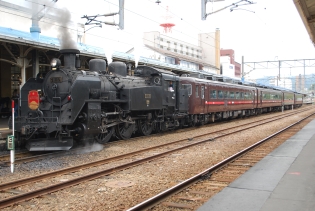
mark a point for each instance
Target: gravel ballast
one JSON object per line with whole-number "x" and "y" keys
{"x": 126, "y": 188}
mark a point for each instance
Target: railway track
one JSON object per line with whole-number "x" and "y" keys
{"x": 131, "y": 159}
{"x": 24, "y": 157}
{"x": 4, "y": 158}
{"x": 193, "y": 192}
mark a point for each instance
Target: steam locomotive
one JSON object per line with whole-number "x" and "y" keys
{"x": 70, "y": 105}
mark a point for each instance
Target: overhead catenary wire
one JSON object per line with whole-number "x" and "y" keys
{"x": 97, "y": 35}
{"x": 64, "y": 27}
{"x": 125, "y": 31}
{"x": 145, "y": 18}
{"x": 158, "y": 23}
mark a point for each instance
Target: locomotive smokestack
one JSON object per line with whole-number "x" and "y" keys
{"x": 69, "y": 56}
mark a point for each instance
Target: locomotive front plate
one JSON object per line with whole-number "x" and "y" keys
{"x": 55, "y": 79}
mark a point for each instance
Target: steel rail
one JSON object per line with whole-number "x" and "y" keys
{"x": 107, "y": 160}
{"x": 44, "y": 155}
{"x": 32, "y": 158}
{"x": 19, "y": 154}
{"x": 165, "y": 194}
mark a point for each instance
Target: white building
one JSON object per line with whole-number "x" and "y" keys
{"x": 228, "y": 70}
{"x": 196, "y": 57}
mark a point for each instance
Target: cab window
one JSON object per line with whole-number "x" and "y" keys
{"x": 170, "y": 86}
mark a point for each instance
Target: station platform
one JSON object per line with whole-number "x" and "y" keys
{"x": 283, "y": 180}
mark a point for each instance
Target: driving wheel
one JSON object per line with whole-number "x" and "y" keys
{"x": 145, "y": 128}
{"x": 103, "y": 138}
{"x": 124, "y": 130}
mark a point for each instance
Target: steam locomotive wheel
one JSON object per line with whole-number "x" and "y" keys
{"x": 103, "y": 138}
{"x": 124, "y": 130}
{"x": 145, "y": 128}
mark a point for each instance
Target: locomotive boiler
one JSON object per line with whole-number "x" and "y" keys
{"x": 96, "y": 105}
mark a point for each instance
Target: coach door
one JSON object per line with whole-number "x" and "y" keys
{"x": 254, "y": 97}
{"x": 226, "y": 101}
{"x": 202, "y": 98}
{"x": 260, "y": 98}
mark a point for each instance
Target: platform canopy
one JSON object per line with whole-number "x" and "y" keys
{"x": 306, "y": 9}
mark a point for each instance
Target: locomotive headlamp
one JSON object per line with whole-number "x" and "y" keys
{"x": 55, "y": 63}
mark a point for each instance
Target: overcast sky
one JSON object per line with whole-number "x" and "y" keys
{"x": 267, "y": 30}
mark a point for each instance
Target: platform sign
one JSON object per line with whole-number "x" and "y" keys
{"x": 10, "y": 142}
{"x": 33, "y": 99}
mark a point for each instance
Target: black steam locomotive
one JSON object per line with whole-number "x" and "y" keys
{"x": 74, "y": 105}
{"x": 70, "y": 105}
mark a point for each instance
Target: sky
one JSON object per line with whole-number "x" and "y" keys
{"x": 265, "y": 31}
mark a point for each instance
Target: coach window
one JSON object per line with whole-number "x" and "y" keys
{"x": 202, "y": 92}
{"x": 213, "y": 94}
{"x": 188, "y": 87}
{"x": 220, "y": 94}
{"x": 197, "y": 91}
{"x": 232, "y": 95}
{"x": 246, "y": 95}
{"x": 226, "y": 94}
{"x": 237, "y": 95}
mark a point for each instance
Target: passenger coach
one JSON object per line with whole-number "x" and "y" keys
{"x": 217, "y": 100}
